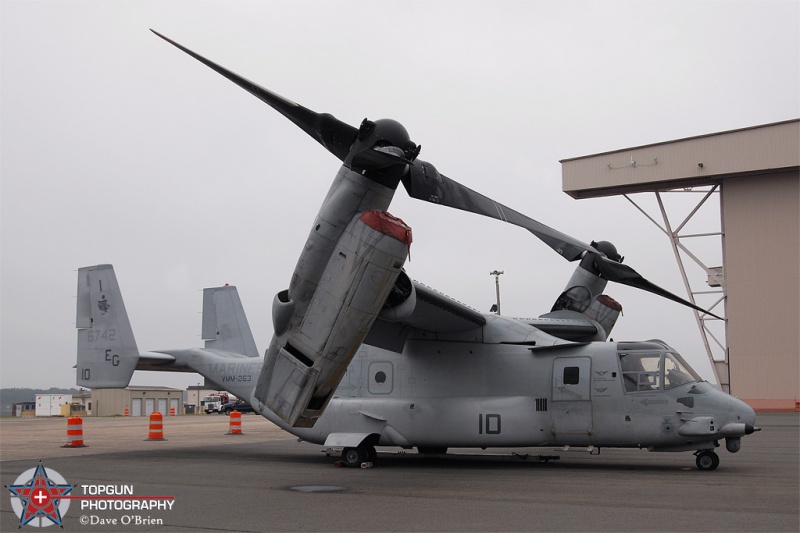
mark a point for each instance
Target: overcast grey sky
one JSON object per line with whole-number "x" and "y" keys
{"x": 118, "y": 148}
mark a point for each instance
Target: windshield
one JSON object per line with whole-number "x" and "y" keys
{"x": 646, "y": 371}
{"x": 677, "y": 371}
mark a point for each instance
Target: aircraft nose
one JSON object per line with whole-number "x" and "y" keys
{"x": 741, "y": 420}
{"x": 748, "y": 415}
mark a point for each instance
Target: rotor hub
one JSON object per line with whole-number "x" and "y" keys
{"x": 608, "y": 249}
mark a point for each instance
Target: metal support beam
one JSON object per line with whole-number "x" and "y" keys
{"x": 719, "y": 362}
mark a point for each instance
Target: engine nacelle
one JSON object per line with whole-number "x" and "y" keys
{"x": 585, "y": 295}
{"x": 402, "y": 300}
{"x": 604, "y": 310}
{"x": 282, "y": 311}
{"x": 305, "y": 363}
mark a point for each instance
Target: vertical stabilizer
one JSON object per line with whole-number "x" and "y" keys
{"x": 225, "y": 325}
{"x": 107, "y": 352}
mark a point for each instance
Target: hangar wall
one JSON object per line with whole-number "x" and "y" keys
{"x": 762, "y": 248}
{"x": 758, "y": 172}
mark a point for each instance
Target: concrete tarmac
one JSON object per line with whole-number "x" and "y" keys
{"x": 264, "y": 480}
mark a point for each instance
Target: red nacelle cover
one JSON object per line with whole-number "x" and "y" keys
{"x": 388, "y": 225}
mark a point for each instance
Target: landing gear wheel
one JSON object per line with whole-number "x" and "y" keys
{"x": 356, "y": 456}
{"x": 352, "y": 457}
{"x": 707, "y": 460}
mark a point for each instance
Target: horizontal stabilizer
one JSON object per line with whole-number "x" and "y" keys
{"x": 225, "y": 325}
{"x": 107, "y": 352}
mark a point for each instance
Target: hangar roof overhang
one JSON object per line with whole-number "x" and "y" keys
{"x": 693, "y": 161}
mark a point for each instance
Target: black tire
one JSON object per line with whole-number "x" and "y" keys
{"x": 707, "y": 460}
{"x": 353, "y": 456}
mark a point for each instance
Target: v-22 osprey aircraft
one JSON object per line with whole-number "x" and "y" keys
{"x": 364, "y": 356}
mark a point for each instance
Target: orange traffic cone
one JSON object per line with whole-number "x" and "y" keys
{"x": 74, "y": 433}
{"x": 235, "y": 424}
{"x": 156, "y": 427}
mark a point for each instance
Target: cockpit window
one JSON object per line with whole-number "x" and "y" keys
{"x": 646, "y": 371}
{"x": 641, "y": 371}
{"x": 677, "y": 371}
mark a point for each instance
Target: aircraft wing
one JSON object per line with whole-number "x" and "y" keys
{"x": 437, "y": 312}
{"x": 568, "y": 325}
{"x": 426, "y": 310}
{"x": 430, "y": 313}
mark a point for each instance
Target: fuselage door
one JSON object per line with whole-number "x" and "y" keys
{"x": 572, "y": 396}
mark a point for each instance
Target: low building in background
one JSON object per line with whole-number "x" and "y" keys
{"x": 139, "y": 401}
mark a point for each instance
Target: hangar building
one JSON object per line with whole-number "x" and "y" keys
{"x": 140, "y": 401}
{"x": 753, "y": 173}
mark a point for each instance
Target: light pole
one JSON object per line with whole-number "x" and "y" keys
{"x": 496, "y": 275}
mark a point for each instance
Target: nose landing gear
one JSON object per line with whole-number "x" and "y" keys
{"x": 707, "y": 460}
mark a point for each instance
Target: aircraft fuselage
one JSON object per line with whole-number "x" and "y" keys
{"x": 463, "y": 394}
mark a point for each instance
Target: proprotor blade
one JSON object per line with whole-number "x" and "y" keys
{"x": 388, "y": 146}
{"x": 335, "y": 135}
{"x": 614, "y": 271}
{"x": 424, "y": 182}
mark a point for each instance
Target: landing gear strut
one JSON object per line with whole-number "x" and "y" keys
{"x": 707, "y": 460}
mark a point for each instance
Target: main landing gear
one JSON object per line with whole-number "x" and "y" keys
{"x": 707, "y": 460}
{"x": 365, "y": 453}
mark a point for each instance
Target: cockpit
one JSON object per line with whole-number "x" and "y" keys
{"x": 649, "y": 367}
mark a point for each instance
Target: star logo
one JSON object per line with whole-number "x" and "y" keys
{"x": 37, "y": 494}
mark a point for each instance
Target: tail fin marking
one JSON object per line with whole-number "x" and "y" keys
{"x": 107, "y": 352}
